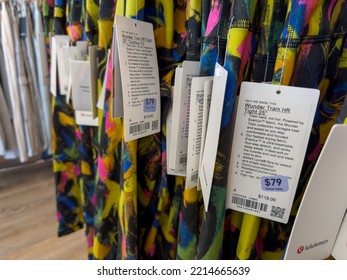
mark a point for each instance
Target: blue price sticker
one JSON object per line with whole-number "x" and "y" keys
{"x": 149, "y": 105}
{"x": 274, "y": 183}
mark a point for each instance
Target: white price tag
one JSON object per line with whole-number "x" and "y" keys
{"x": 195, "y": 130}
{"x": 118, "y": 106}
{"x": 53, "y": 80}
{"x": 62, "y": 43}
{"x": 206, "y": 112}
{"x": 180, "y": 115}
{"x": 101, "y": 100}
{"x": 140, "y": 77}
{"x": 212, "y": 134}
{"x": 269, "y": 144}
{"x": 173, "y": 126}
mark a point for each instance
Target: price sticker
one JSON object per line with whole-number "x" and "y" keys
{"x": 149, "y": 105}
{"x": 274, "y": 183}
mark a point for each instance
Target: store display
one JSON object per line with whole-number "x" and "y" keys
{"x": 131, "y": 97}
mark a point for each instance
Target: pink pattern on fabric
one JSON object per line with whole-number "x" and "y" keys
{"x": 184, "y": 35}
{"x": 331, "y": 7}
{"x": 110, "y": 125}
{"x": 151, "y": 251}
{"x": 310, "y": 6}
{"x": 245, "y": 50}
{"x": 93, "y": 200}
{"x": 90, "y": 238}
{"x": 79, "y": 135}
{"x": 102, "y": 169}
{"x": 59, "y": 216}
{"x": 109, "y": 77}
{"x": 124, "y": 247}
{"x": 315, "y": 153}
{"x": 77, "y": 170}
{"x": 213, "y": 17}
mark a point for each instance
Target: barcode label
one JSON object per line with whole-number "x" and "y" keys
{"x": 194, "y": 177}
{"x": 249, "y": 203}
{"x": 277, "y": 212}
{"x": 183, "y": 159}
{"x": 155, "y": 125}
{"x": 139, "y": 127}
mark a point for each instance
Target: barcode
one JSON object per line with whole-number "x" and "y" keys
{"x": 139, "y": 127}
{"x": 277, "y": 212}
{"x": 155, "y": 125}
{"x": 194, "y": 176}
{"x": 183, "y": 159}
{"x": 249, "y": 203}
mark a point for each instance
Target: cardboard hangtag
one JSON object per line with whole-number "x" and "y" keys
{"x": 53, "y": 80}
{"x": 85, "y": 118}
{"x": 169, "y": 168}
{"x": 62, "y": 43}
{"x": 140, "y": 77}
{"x": 93, "y": 77}
{"x": 323, "y": 205}
{"x": 172, "y": 147}
{"x": 212, "y": 133}
{"x": 180, "y": 115}
{"x": 101, "y": 100}
{"x": 196, "y": 113}
{"x": 206, "y": 112}
{"x": 73, "y": 56}
{"x": 82, "y": 50}
{"x": 270, "y": 139}
{"x": 84, "y": 89}
{"x": 340, "y": 247}
{"x": 118, "y": 107}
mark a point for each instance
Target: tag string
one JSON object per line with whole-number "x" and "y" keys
{"x": 283, "y": 61}
{"x": 266, "y": 66}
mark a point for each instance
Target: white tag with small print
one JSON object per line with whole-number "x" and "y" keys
{"x": 271, "y": 134}
{"x": 206, "y": 112}
{"x": 101, "y": 100}
{"x": 73, "y": 56}
{"x": 180, "y": 115}
{"x": 172, "y": 146}
{"x": 85, "y": 118}
{"x": 62, "y": 43}
{"x": 169, "y": 168}
{"x": 212, "y": 134}
{"x": 117, "y": 106}
{"x": 53, "y": 79}
{"x": 196, "y": 124}
{"x": 140, "y": 77}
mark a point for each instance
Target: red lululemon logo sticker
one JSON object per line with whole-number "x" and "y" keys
{"x": 300, "y": 249}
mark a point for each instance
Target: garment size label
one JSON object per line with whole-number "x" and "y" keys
{"x": 140, "y": 77}
{"x": 269, "y": 144}
{"x": 212, "y": 134}
{"x": 196, "y": 124}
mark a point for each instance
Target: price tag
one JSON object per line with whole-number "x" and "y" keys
{"x": 180, "y": 115}
{"x": 101, "y": 100}
{"x": 118, "y": 106}
{"x": 269, "y": 144}
{"x": 206, "y": 112}
{"x": 173, "y": 126}
{"x": 63, "y": 61}
{"x": 53, "y": 79}
{"x": 274, "y": 183}
{"x": 140, "y": 77}
{"x": 212, "y": 134}
{"x": 196, "y": 125}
